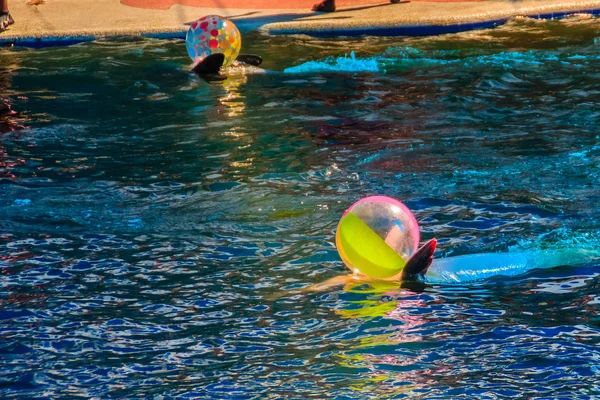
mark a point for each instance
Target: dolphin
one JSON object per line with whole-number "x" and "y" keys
{"x": 211, "y": 65}
{"x": 473, "y": 267}
{"x": 423, "y": 267}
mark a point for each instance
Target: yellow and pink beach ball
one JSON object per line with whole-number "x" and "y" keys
{"x": 376, "y": 236}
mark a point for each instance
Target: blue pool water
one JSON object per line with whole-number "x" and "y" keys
{"x": 156, "y": 229}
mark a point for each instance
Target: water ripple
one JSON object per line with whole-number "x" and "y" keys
{"x": 159, "y": 232}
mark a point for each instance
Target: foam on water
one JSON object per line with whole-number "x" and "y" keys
{"x": 337, "y": 64}
{"x": 406, "y": 58}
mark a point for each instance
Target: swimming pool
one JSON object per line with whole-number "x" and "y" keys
{"x": 155, "y": 227}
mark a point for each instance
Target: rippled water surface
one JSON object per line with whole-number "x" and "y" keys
{"x": 156, "y": 229}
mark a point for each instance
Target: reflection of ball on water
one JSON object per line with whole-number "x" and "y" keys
{"x": 213, "y": 34}
{"x": 376, "y": 236}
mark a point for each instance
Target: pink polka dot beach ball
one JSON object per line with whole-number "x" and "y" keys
{"x": 213, "y": 34}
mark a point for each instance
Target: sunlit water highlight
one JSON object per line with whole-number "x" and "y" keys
{"x": 156, "y": 229}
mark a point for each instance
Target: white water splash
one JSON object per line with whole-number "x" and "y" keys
{"x": 337, "y": 64}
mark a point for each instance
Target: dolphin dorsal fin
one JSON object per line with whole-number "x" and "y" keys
{"x": 416, "y": 267}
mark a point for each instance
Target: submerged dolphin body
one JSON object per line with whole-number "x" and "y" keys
{"x": 422, "y": 267}
{"x": 474, "y": 267}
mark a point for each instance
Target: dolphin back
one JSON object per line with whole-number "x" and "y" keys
{"x": 469, "y": 268}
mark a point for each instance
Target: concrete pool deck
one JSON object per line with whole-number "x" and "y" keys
{"x": 67, "y": 21}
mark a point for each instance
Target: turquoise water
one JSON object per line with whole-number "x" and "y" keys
{"x": 156, "y": 229}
